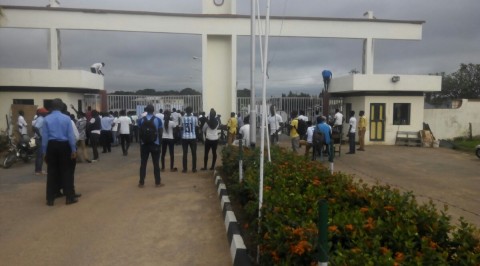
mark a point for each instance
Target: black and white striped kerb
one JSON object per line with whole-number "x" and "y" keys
{"x": 238, "y": 249}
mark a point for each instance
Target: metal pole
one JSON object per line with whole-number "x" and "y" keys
{"x": 253, "y": 112}
{"x": 322, "y": 232}
{"x": 240, "y": 160}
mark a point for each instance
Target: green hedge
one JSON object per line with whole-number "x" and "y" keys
{"x": 368, "y": 225}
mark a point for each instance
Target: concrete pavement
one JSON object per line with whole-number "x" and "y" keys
{"x": 114, "y": 222}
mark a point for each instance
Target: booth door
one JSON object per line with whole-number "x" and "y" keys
{"x": 377, "y": 122}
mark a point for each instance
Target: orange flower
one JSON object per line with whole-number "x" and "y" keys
{"x": 389, "y": 208}
{"x": 298, "y": 231}
{"x": 356, "y": 250}
{"x": 433, "y": 245}
{"x": 364, "y": 209}
{"x": 316, "y": 182}
{"x": 384, "y": 250}
{"x": 399, "y": 256}
{"x": 333, "y": 229}
{"x": 268, "y": 188}
{"x": 349, "y": 227}
{"x": 370, "y": 224}
{"x": 275, "y": 256}
{"x": 301, "y": 247}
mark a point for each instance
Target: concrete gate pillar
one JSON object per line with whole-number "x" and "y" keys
{"x": 219, "y": 64}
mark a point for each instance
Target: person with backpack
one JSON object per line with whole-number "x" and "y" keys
{"x": 150, "y": 129}
{"x": 322, "y": 136}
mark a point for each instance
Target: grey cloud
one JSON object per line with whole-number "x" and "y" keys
{"x": 164, "y": 61}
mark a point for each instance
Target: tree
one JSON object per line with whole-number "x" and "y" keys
{"x": 243, "y": 93}
{"x": 462, "y": 84}
{"x": 465, "y": 83}
{"x": 189, "y": 91}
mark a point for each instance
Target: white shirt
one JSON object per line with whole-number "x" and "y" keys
{"x": 75, "y": 131}
{"x": 115, "y": 124}
{"x": 22, "y": 125}
{"x": 134, "y": 119}
{"x": 168, "y": 133}
{"x": 161, "y": 116}
{"x": 176, "y": 117}
{"x": 124, "y": 122}
{"x": 245, "y": 131}
{"x": 304, "y": 118}
{"x": 310, "y": 134}
{"x": 95, "y": 131}
{"x": 338, "y": 119}
{"x": 210, "y": 134}
{"x": 353, "y": 123}
{"x": 274, "y": 123}
{"x": 97, "y": 66}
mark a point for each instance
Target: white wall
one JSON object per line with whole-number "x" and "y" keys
{"x": 363, "y": 103}
{"x": 50, "y": 78}
{"x": 376, "y": 82}
{"x": 451, "y": 123}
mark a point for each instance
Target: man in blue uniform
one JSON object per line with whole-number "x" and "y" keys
{"x": 58, "y": 146}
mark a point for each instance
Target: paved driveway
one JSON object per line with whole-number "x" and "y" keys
{"x": 445, "y": 176}
{"x": 115, "y": 222}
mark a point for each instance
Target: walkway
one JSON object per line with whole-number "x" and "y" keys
{"x": 115, "y": 222}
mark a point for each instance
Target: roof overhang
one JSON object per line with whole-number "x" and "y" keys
{"x": 46, "y": 78}
{"x": 391, "y": 83}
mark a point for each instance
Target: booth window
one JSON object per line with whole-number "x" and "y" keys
{"x": 401, "y": 113}
{"x": 23, "y": 101}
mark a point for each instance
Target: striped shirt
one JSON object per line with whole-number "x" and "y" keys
{"x": 189, "y": 122}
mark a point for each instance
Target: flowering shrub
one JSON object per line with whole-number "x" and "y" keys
{"x": 367, "y": 225}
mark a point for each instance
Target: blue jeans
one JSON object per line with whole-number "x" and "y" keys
{"x": 145, "y": 151}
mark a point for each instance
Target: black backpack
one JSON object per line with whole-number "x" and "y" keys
{"x": 302, "y": 127}
{"x": 148, "y": 130}
{"x": 318, "y": 139}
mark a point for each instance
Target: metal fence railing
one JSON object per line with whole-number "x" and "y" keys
{"x": 138, "y": 102}
{"x": 312, "y": 106}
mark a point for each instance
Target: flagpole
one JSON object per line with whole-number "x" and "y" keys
{"x": 264, "y": 104}
{"x": 253, "y": 111}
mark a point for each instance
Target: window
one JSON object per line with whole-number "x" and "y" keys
{"x": 348, "y": 109}
{"x": 401, "y": 113}
{"x": 23, "y": 101}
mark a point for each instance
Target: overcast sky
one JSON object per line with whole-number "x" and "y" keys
{"x": 451, "y": 36}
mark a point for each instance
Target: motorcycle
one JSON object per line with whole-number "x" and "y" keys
{"x": 22, "y": 151}
{"x": 477, "y": 151}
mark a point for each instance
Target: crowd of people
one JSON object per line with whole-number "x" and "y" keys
{"x": 321, "y": 133}
{"x": 64, "y": 138}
